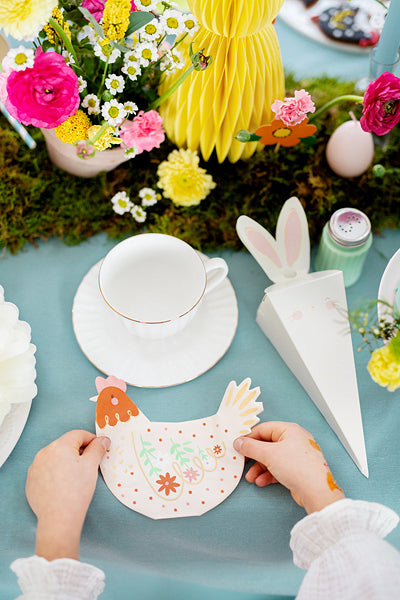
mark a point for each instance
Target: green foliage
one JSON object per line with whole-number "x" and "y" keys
{"x": 37, "y": 200}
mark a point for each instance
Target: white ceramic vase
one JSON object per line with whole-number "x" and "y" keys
{"x": 65, "y": 157}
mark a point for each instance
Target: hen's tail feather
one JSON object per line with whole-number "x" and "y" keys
{"x": 239, "y": 408}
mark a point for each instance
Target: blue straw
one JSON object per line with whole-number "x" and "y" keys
{"x": 29, "y": 141}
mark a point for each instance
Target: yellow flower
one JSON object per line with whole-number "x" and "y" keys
{"x": 384, "y": 368}
{"x": 75, "y": 128}
{"x": 25, "y": 18}
{"x": 51, "y": 33}
{"x": 116, "y": 18}
{"x": 182, "y": 180}
{"x": 106, "y": 140}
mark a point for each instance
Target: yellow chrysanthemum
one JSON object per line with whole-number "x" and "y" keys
{"x": 51, "y": 33}
{"x": 116, "y": 18}
{"x": 75, "y": 128}
{"x": 23, "y": 19}
{"x": 106, "y": 140}
{"x": 182, "y": 180}
{"x": 384, "y": 368}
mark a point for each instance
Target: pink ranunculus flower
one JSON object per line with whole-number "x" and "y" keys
{"x": 293, "y": 111}
{"x": 95, "y": 7}
{"x": 145, "y": 132}
{"x": 133, "y": 6}
{"x": 381, "y": 105}
{"x": 45, "y": 95}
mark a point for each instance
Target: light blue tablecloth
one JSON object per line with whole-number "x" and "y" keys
{"x": 240, "y": 546}
{"x": 240, "y": 549}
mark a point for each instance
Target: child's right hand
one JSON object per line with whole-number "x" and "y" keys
{"x": 288, "y": 454}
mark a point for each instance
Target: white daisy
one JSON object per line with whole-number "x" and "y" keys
{"x": 131, "y": 70}
{"x": 121, "y": 203}
{"x": 130, "y": 57}
{"x": 115, "y": 84}
{"x": 69, "y": 59}
{"x": 190, "y": 23}
{"x": 106, "y": 52}
{"x": 177, "y": 59}
{"x": 146, "y": 53}
{"x": 92, "y": 103}
{"x": 146, "y": 5}
{"x": 151, "y": 31}
{"x": 82, "y": 84}
{"x": 20, "y": 58}
{"x": 138, "y": 213}
{"x": 172, "y": 22}
{"x": 113, "y": 112}
{"x": 130, "y": 107}
{"x": 148, "y": 196}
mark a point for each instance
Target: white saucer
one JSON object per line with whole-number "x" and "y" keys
{"x": 387, "y": 288}
{"x": 106, "y": 342}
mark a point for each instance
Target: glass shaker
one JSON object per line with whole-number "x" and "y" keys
{"x": 345, "y": 242}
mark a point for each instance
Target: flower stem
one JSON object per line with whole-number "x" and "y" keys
{"x": 99, "y": 133}
{"x": 172, "y": 89}
{"x": 328, "y": 105}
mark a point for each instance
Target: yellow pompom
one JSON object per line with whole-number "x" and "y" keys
{"x": 75, "y": 128}
{"x": 384, "y": 368}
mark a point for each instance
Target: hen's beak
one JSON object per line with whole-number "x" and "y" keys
{"x": 93, "y": 398}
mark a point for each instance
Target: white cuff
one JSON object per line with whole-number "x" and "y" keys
{"x": 63, "y": 578}
{"x": 321, "y": 530}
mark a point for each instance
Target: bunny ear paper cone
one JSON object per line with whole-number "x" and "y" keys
{"x": 305, "y": 317}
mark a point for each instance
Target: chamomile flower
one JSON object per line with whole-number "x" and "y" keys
{"x": 151, "y": 31}
{"x": 130, "y": 57}
{"x": 146, "y": 53}
{"x": 190, "y": 23}
{"x": 149, "y": 196}
{"x": 172, "y": 22}
{"x": 130, "y": 107}
{"x": 113, "y": 112}
{"x": 146, "y": 5}
{"x": 121, "y": 203}
{"x": 176, "y": 59}
{"x": 106, "y": 52}
{"x": 115, "y": 84}
{"x": 20, "y": 58}
{"x": 69, "y": 59}
{"x": 82, "y": 84}
{"x": 138, "y": 213}
{"x": 92, "y": 104}
{"x": 132, "y": 70}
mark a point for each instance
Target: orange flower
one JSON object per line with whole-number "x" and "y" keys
{"x": 285, "y": 135}
{"x": 167, "y": 484}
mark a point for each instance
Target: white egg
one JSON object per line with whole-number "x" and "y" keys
{"x": 350, "y": 150}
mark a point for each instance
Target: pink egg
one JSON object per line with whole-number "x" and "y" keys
{"x": 350, "y": 150}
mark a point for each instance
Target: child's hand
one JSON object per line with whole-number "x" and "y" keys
{"x": 59, "y": 488}
{"x": 287, "y": 454}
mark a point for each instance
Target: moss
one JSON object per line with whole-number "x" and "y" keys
{"x": 38, "y": 201}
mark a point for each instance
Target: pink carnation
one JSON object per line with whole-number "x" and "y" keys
{"x": 293, "y": 111}
{"x": 95, "y": 7}
{"x": 45, "y": 95}
{"x": 145, "y": 132}
{"x": 381, "y": 105}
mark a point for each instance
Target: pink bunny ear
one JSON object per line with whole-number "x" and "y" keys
{"x": 293, "y": 235}
{"x": 263, "y": 245}
{"x": 112, "y": 381}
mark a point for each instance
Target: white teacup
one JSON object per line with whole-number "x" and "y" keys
{"x": 156, "y": 283}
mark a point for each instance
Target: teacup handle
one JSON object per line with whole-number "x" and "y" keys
{"x": 216, "y": 271}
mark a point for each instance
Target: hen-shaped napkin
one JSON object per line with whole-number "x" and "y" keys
{"x": 166, "y": 470}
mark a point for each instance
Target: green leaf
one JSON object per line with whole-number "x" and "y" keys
{"x": 138, "y": 19}
{"x": 93, "y": 21}
{"x": 309, "y": 141}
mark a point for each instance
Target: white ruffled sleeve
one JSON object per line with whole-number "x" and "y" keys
{"x": 63, "y": 578}
{"x": 343, "y": 549}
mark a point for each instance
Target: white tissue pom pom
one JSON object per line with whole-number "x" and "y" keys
{"x": 17, "y": 360}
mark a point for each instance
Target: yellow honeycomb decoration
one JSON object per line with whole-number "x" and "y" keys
{"x": 236, "y": 91}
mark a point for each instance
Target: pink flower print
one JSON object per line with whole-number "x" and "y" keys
{"x": 381, "y": 105}
{"x": 44, "y": 95}
{"x": 145, "y": 132}
{"x": 95, "y": 7}
{"x": 191, "y": 474}
{"x": 293, "y": 111}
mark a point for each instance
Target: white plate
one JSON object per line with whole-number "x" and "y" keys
{"x": 106, "y": 342}
{"x": 387, "y": 287}
{"x": 295, "y": 14}
{"x": 12, "y": 427}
